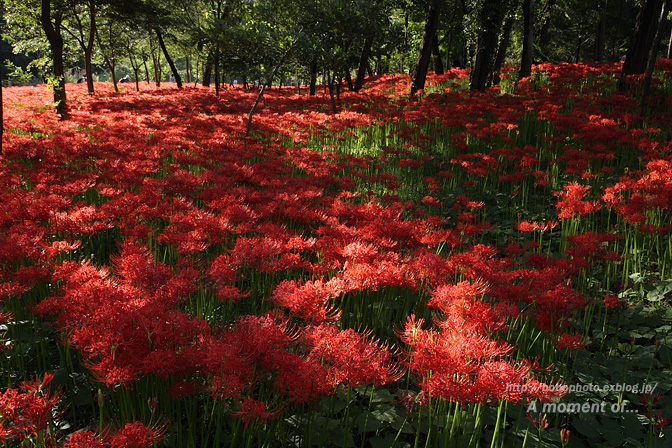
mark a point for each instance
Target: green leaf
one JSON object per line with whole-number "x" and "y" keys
{"x": 611, "y": 431}
{"x": 385, "y": 413}
{"x": 586, "y": 425}
{"x": 366, "y": 422}
{"x": 659, "y": 291}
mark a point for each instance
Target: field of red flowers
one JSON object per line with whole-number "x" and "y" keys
{"x": 452, "y": 269}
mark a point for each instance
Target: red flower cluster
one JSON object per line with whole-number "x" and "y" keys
{"x": 224, "y": 263}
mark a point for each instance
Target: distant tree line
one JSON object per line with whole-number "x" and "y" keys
{"x": 217, "y": 41}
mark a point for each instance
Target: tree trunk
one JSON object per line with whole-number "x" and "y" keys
{"x": 651, "y": 63}
{"x": 503, "y": 47}
{"x": 176, "y": 74}
{"x": 88, "y": 50}
{"x": 425, "y": 54}
{"x": 490, "y": 23}
{"x": 186, "y": 65}
{"x": 217, "y": 70}
{"x": 642, "y": 40}
{"x": 198, "y": 67}
{"x": 111, "y": 64}
{"x": 545, "y": 22}
{"x": 579, "y": 44}
{"x": 348, "y": 79}
{"x": 438, "y": 63}
{"x": 363, "y": 63}
{"x": 600, "y": 35}
{"x": 135, "y": 67}
{"x": 330, "y": 86}
{"x": 451, "y": 33}
{"x": 313, "y": 77}
{"x": 263, "y": 86}
{"x": 528, "y": 39}
{"x": 156, "y": 61}
{"x": 406, "y": 46}
{"x": 338, "y": 86}
{"x": 449, "y": 52}
{"x": 144, "y": 62}
{"x": 669, "y": 48}
{"x": 53, "y": 33}
{"x": 207, "y": 73}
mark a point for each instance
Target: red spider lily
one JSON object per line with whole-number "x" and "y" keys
{"x": 28, "y": 409}
{"x": 658, "y": 420}
{"x": 650, "y": 399}
{"x": 611, "y": 301}
{"x": 352, "y": 358}
{"x": 591, "y": 245}
{"x": 309, "y": 300}
{"x": 227, "y": 206}
{"x": 136, "y": 435}
{"x": 253, "y": 410}
{"x": 84, "y": 439}
{"x": 571, "y": 204}
{"x": 535, "y": 226}
{"x": 541, "y": 422}
{"x": 463, "y": 310}
{"x": 564, "y": 436}
{"x": 571, "y": 342}
{"x": 466, "y": 367}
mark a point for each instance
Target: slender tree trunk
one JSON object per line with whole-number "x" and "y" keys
{"x": 545, "y": 22}
{"x": 451, "y": 33}
{"x": 528, "y": 39}
{"x": 438, "y": 63}
{"x": 348, "y": 79}
{"x": 53, "y": 33}
{"x": 111, "y": 64}
{"x": 503, "y": 47}
{"x": 217, "y": 70}
{"x": 136, "y": 69}
{"x": 207, "y": 72}
{"x": 162, "y": 44}
{"x": 490, "y": 23}
{"x": 425, "y": 54}
{"x": 669, "y": 48}
{"x": 198, "y": 67}
{"x": 330, "y": 86}
{"x": 156, "y": 61}
{"x": 144, "y": 61}
{"x": 339, "y": 80}
{"x": 363, "y": 63}
{"x": 651, "y": 63}
{"x": 263, "y": 87}
{"x": 449, "y": 52}
{"x": 579, "y": 44}
{"x": 186, "y": 65}
{"x": 88, "y": 50}
{"x": 600, "y": 35}
{"x": 642, "y": 40}
{"x": 313, "y": 77}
